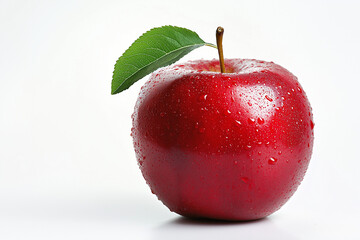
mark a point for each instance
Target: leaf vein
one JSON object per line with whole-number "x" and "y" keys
{"x": 136, "y": 54}
{"x": 177, "y": 50}
{"x": 163, "y": 35}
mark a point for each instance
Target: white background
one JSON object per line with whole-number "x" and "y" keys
{"x": 67, "y": 166}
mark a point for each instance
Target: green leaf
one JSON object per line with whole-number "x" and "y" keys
{"x": 156, "y": 48}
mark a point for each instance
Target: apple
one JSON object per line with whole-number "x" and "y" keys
{"x": 230, "y": 146}
{"x": 221, "y": 139}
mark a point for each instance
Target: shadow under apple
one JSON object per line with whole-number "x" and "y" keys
{"x": 186, "y": 228}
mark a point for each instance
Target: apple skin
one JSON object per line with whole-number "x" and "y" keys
{"x": 229, "y": 146}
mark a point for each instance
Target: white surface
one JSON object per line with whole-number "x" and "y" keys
{"x": 67, "y": 167}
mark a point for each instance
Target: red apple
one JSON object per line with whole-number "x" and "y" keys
{"x": 231, "y": 146}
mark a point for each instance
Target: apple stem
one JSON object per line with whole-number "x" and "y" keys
{"x": 219, "y": 37}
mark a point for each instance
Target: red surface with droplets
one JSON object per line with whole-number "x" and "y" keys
{"x": 232, "y": 146}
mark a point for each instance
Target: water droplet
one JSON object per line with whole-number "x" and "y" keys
{"x": 238, "y": 122}
{"x": 248, "y": 146}
{"x": 312, "y": 124}
{"x": 279, "y": 152}
{"x": 260, "y": 120}
{"x": 259, "y": 143}
{"x": 268, "y": 98}
{"x": 235, "y": 162}
{"x": 202, "y": 97}
{"x": 272, "y": 161}
{"x": 251, "y": 120}
{"x": 228, "y": 111}
{"x": 245, "y": 179}
{"x": 259, "y": 153}
{"x": 249, "y": 103}
{"x": 299, "y": 89}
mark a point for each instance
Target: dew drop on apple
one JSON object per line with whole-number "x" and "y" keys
{"x": 238, "y": 122}
{"x": 272, "y": 161}
{"x": 245, "y": 179}
{"x": 202, "y": 97}
{"x": 312, "y": 124}
{"x": 268, "y": 98}
{"x": 251, "y": 120}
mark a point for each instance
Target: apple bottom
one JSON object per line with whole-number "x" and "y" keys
{"x": 225, "y": 187}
